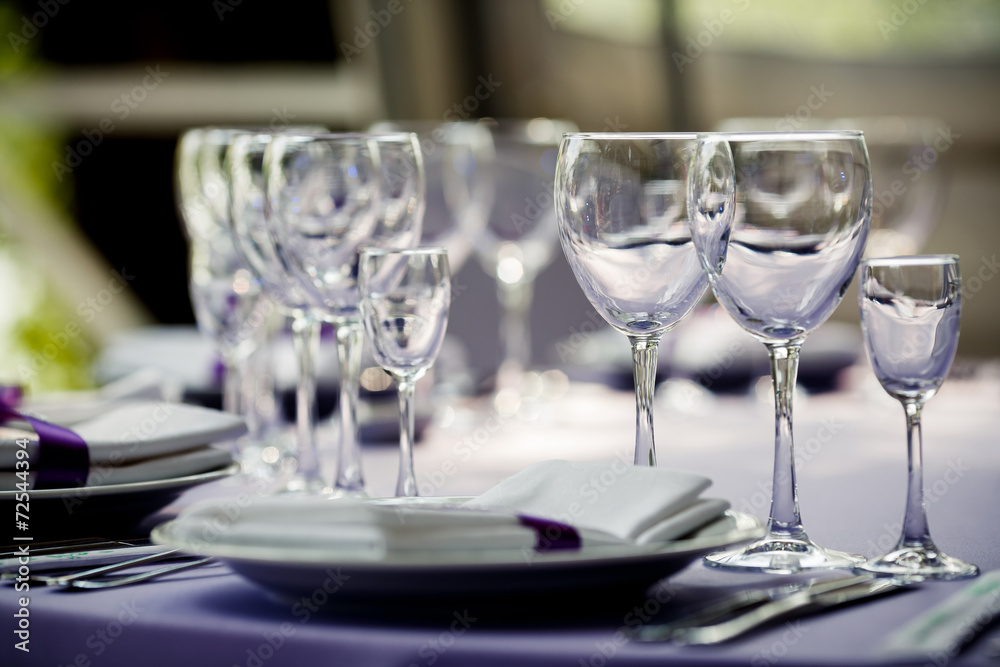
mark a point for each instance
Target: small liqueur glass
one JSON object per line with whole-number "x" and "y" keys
{"x": 405, "y": 295}
{"x": 910, "y": 308}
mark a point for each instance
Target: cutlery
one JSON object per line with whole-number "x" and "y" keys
{"x": 725, "y": 606}
{"x": 77, "y": 544}
{"x": 103, "y": 554}
{"x": 65, "y": 579}
{"x": 819, "y": 595}
{"x": 92, "y": 584}
{"x": 949, "y": 626}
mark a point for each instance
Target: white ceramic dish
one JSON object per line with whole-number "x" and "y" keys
{"x": 104, "y": 508}
{"x": 291, "y": 574}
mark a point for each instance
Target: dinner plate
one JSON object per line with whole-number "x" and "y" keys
{"x": 111, "y": 507}
{"x": 292, "y": 574}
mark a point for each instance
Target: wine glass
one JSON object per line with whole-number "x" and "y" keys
{"x": 623, "y": 223}
{"x": 250, "y": 222}
{"x": 911, "y": 185}
{"x": 329, "y": 195}
{"x": 910, "y": 308}
{"x": 458, "y": 168}
{"x": 780, "y": 223}
{"x": 225, "y": 296}
{"x": 520, "y": 234}
{"x": 405, "y": 296}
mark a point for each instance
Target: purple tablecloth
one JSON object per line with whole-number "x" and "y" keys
{"x": 852, "y": 473}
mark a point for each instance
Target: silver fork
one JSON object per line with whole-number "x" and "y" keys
{"x": 91, "y": 584}
{"x": 66, "y": 579}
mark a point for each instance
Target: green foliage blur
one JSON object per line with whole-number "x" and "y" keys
{"x": 35, "y": 349}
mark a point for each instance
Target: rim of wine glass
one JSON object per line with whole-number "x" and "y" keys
{"x": 630, "y": 136}
{"x": 352, "y": 136}
{"x": 424, "y": 250}
{"x": 911, "y": 260}
{"x": 888, "y": 130}
{"x": 807, "y": 135}
{"x": 519, "y": 129}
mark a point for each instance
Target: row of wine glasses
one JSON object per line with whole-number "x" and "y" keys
{"x": 224, "y": 295}
{"x": 283, "y": 222}
{"x": 290, "y": 210}
{"x": 776, "y": 224}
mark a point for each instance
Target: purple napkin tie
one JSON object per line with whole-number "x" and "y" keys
{"x": 63, "y": 459}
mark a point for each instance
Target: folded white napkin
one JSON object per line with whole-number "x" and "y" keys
{"x": 191, "y": 462}
{"x": 140, "y": 441}
{"x": 72, "y": 407}
{"x": 631, "y": 503}
{"x": 605, "y": 504}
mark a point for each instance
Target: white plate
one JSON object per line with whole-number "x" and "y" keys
{"x": 294, "y": 573}
{"x": 104, "y": 508}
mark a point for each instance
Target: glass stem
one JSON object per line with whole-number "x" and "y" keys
{"x": 231, "y": 384}
{"x": 644, "y": 373}
{"x": 231, "y": 396}
{"x": 515, "y": 335}
{"x": 251, "y": 368}
{"x": 350, "y": 335}
{"x": 406, "y": 484}
{"x": 785, "y": 522}
{"x": 915, "y": 531}
{"x": 305, "y": 341}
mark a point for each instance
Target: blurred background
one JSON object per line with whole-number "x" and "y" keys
{"x": 93, "y": 97}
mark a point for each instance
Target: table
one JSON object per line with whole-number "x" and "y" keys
{"x": 851, "y": 474}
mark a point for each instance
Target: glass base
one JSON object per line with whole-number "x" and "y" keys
{"x": 920, "y": 562}
{"x": 346, "y": 493}
{"x": 780, "y": 555}
{"x": 303, "y": 486}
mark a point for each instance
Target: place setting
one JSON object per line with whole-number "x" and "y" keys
{"x": 326, "y": 227}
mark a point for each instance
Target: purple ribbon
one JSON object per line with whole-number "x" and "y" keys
{"x": 63, "y": 458}
{"x": 550, "y": 534}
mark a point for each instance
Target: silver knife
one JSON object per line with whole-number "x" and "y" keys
{"x": 820, "y": 595}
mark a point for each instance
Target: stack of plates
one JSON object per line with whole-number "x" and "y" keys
{"x": 143, "y": 454}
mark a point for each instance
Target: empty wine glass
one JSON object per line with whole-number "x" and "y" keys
{"x": 520, "y": 234}
{"x": 225, "y": 296}
{"x": 911, "y": 183}
{"x": 780, "y": 223}
{"x": 458, "y": 167}
{"x": 910, "y": 308}
{"x": 250, "y": 226}
{"x": 623, "y": 222}
{"x": 329, "y": 195}
{"x": 405, "y": 296}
